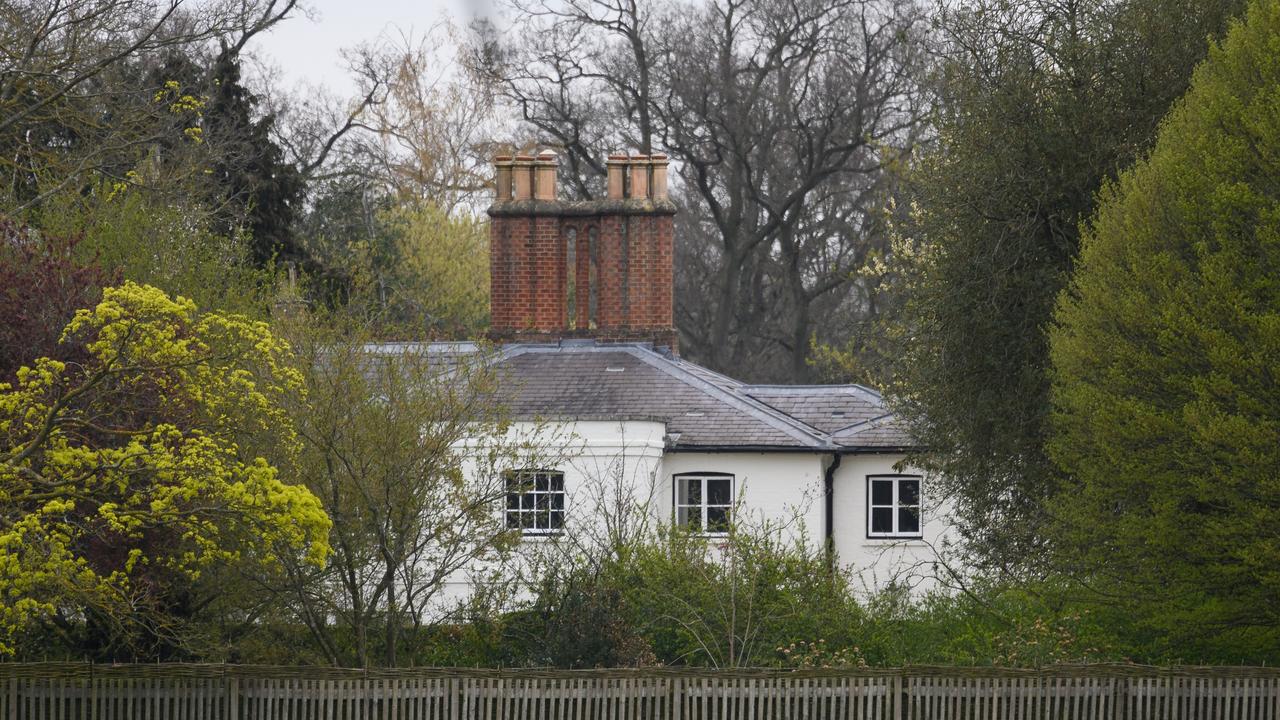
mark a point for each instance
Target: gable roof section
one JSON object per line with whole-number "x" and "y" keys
{"x": 590, "y": 381}
{"x": 880, "y": 432}
{"x": 702, "y": 409}
{"x": 826, "y": 407}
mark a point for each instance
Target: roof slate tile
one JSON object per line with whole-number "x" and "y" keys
{"x": 701, "y": 408}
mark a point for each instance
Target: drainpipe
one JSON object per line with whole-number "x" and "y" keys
{"x": 829, "y": 482}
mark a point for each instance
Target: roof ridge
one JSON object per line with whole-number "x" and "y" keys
{"x": 702, "y": 368}
{"x": 763, "y": 411}
{"x": 857, "y": 388}
{"x": 857, "y": 427}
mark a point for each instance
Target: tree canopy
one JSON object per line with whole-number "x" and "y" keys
{"x": 1166, "y": 349}
{"x": 1038, "y": 103}
{"x": 125, "y": 477}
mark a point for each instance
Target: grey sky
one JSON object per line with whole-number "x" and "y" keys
{"x": 308, "y": 50}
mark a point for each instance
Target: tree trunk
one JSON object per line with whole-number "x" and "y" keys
{"x": 393, "y": 626}
{"x": 718, "y": 345}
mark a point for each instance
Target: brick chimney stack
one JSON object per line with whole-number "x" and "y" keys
{"x": 587, "y": 269}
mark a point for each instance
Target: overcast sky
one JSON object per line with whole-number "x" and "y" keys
{"x": 308, "y": 50}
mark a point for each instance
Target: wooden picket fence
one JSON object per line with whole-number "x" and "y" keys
{"x": 61, "y": 691}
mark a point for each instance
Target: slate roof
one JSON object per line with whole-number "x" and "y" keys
{"x": 827, "y": 407}
{"x": 702, "y": 409}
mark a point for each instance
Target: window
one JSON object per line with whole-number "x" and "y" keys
{"x": 704, "y": 502}
{"x": 893, "y": 506}
{"x": 535, "y": 501}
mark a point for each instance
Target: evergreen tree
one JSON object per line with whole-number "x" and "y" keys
{"x": 1166, "y": 352}
{"x": 246, "y": 182}
{"x": 261, "y": 189}
{"x": 1040, "y": 102}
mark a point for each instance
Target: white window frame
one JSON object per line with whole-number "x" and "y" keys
{"x": 531, "y": 494}
{"x": 896, "y": 505}
{"x": 702, "y": 505}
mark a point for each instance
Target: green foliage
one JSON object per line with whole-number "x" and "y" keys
{"x": 1166, "y": 348}
{"x": 409, "y": 452}
{"x": 127, "y": 477}
{"x": 757, "y": 600}
{"x": 441, "y": 286}
{"x": 1039, "y": 102}
{"x": 735, "y": 603}
{"x": 1023, "y": 625}
{"x": 676, "y": 598}
{"x": 153, "y": 241}
{"x": 412, "y": 271}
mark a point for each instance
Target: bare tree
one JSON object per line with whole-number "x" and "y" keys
{"x": 426, "y": 131}
{"x": 785, "y": 121}
{"x": 580, "y": 77}
{"x": 73, "y": 98}
{"x": 411, "y": 453}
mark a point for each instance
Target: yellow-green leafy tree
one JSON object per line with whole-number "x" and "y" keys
{"x": 127, "y": 478}
{"x": 1166, "y": 352}
{"x": 443, "y": 281}
{"x": 418, "y": 273}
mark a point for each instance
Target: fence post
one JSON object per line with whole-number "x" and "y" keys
{"x": 676, "y": 708}
{"x": 1120, "y": 708}
{"x": 13, "y": 698}
{"x": 898, "y": 686}
{"x": 233, "y": 697}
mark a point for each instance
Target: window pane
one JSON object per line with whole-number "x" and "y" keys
{"x": 542, "y": 519}
{"x": 513, "y": 501}
{"x": 882, "y": 520}
{"x": 526, "y": 520}
{"x": 557, "y": 519}
{"x": 694, "y": 491}
{"x": 557, "y": 482}
{"x": 908, "y": 520}
{"x": 540, "y": 501}
{"x": 513, "y": 520}
{"x": 689, "y": 492}
{"x": 541, "y": 481}
{"x": 882, "y": 492}
{"x": 908, "y": 492}
{"x": 718, "y": 491}
{"x": 717, "y": 519}
{"x": 690, "y": 518}
{"x": 557, "y": 501}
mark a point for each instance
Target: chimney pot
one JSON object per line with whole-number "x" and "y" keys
{"x": 502, "y": 163}
{"x": 523, "y": 171}
{"x": 659, "y": 187}
{"x": 544, "y": 185}
{"x": 617, "y": 176}
{"x": 639, "y": 165}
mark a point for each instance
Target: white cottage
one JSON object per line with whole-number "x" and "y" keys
{"x": 582, "y": 314}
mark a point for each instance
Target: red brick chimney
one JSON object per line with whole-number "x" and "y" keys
{"x": 587, "y": 269}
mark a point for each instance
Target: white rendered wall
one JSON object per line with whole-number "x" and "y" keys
{"x": 782, "y": 491}
{"x": 880, "y": 561}
{"x": 606, "y": 462}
